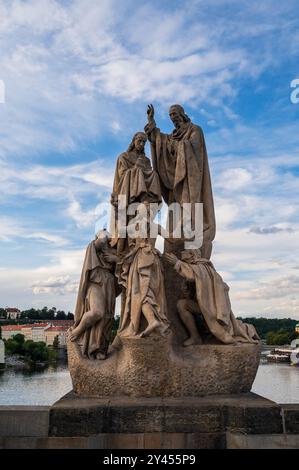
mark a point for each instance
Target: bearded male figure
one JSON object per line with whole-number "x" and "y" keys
{"x": 181, "y": 160}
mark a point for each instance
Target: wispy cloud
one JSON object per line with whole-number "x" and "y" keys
{"x": 55, "y": 285}
{"x": 78, "y": 76}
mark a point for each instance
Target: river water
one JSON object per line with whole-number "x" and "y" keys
{"x": 278, "y": 382}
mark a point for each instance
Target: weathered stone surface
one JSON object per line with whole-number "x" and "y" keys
{"x": 290, "y": 416}
{"x": 70, "y": 417}
{"x": 262, "y": 441}
{"x": 236, "y": 421}
{"x": 24, "y": 421}
{"x": 78, "y": 416}
{"x": 256, "y": 415}
{"x": 205, "y": 440}
{"x": 151, "y": 367}
{"x": 45, "y": 443}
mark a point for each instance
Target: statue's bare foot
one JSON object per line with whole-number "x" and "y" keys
{"x": 155, "y": 324}
{"x": 101, "y": 356}
{"x": 73, "y": 334}
{"x": 191, "y": 341}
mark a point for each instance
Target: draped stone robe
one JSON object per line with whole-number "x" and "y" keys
{"x": 97, "y": 280}
{"x": 213, "y": 300}
{"x": 137, "y": 184}
{"x": 181, "y": 160}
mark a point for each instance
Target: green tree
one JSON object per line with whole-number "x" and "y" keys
{"x": 265, "y": 325}
{"x": 60, "y": 315}
{"x": 36, "y": 351}
{"x": 52, "y": 355}
{"x": 19, "y": 338}
{"x": 11, "y": 346}
{"x": 15, "y": 345}
{"x": 56, "y": 342}
{"x": 31, "y": 314}
{"x": 280, "y": 337}
{"x": 114, "y": 328}
{"x": 44, "y": 313}
{"x": 3, "y": 313}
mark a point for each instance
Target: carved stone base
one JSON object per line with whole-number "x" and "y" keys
{"x": 150, "y": 367}
{"x": 164, "y": 423}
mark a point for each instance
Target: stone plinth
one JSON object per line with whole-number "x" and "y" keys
{"x": 159, "y": 423}
{"x": 151, "y": 367}
{"x": 221, "y": 421}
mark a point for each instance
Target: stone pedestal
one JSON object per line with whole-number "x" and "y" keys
{"x": 211, "y": 422}
{"x": 158, "y": 423}
{"x": 152, "y": 367}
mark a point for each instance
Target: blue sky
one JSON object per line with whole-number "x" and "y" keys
{"x": 78, "y": 78}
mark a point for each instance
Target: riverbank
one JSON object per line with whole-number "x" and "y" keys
{"x": 19, "y": 362}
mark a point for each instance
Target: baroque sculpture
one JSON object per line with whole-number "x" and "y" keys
{"x": 135, "y": 181}
{"x": 211, "y": 300}
{"x": 141, "y": 273}
{"x": 97, "y": 292}
{"x": 181, "y": 160}
{"x": 194, "y": 309}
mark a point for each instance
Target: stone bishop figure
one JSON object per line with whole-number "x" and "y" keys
{"x": 181, "y": 161}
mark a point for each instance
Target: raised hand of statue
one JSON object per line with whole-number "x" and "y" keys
{"x": 170, "y": 258}
{"x": 150, "y": 113}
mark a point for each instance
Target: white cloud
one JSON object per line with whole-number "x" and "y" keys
{"x": 81, "y": 218}
{"x": 68, "y": 61}
{"x": 12, "y": 229}
{"x": 234, "y": 179}
{"x": 275, "y": 289}
{"x": 78, "y": 70}
{"x": 55, "y": 285}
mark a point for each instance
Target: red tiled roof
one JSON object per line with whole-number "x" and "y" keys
{"x": 57, "y": 328}
{"x": 40, "y": 325}
{"x": 12, "y": 309}
{"x": 11, "y": 327}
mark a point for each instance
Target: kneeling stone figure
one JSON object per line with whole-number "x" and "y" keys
{"x": 96, "y": 298}
{"x": 211, "y": 299}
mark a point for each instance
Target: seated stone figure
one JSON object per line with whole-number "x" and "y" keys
{"x": 140, "y": 272}
{"x": 96, "y": 298}
{"x": 211, "y": 300}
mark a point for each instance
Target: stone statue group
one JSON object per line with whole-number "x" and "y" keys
{"x": 128, "y": 263}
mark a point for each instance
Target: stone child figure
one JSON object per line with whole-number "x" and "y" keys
{"x": 212, "y": 301}
{"x": 96, "y": 298}
{"x": 140, "y": 273}
{"x": 135, "y": 181}
{"x": 181, "y": 161}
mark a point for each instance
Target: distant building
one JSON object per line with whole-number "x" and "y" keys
{"x": 38, "y": 331}
{"x": 27, "y": 331}
{"x": 2, "y": 352}
{"x": 13, "y": 313}
{"x": 53, "y": 331}
{"x": 8, "y": 331}
{"x": 297, "y": 328}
